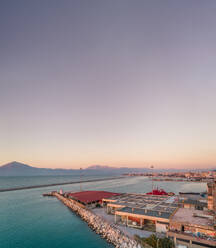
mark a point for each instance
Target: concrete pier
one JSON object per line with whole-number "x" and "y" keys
{"x": 57, "y": 184}
{"x": 108, "y": 231}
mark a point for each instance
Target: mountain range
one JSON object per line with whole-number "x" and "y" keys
{"x": 19, "y": 169}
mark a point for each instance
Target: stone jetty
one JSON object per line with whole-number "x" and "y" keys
{"x": 107, "y": 231}
{"x": 63, "y": 183}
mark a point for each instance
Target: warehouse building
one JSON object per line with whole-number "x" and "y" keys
{"x": 150, "y": 212}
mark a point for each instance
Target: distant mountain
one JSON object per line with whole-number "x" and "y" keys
{"x": 15, "y": 168}
{"x": 19, "y": 169}
{"x": 100, "y": 167}
{"x": 15, "y": 165}
{"x": 116, "y": 170}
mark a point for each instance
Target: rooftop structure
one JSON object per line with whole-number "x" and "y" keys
{"x": 88, "y": 197}
{"x": 146, "y": 212}
{"x": 193, "y": 226}
{"x": 141, "y": 210}
{"x": 193, "y": 217}
{"x": 143, "y": 201}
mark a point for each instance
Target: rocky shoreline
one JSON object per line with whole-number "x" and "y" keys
{"x": 107, "y": 231}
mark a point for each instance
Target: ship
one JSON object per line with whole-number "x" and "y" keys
{"x": 159, "y": 192}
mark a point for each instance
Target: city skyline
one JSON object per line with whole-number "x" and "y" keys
{"x": 118, "y": 83}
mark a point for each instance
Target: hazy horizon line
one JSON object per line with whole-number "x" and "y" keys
{"x": 114, "y": 167}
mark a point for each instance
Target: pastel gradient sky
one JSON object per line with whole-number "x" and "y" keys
{"x": 119, "y": 83}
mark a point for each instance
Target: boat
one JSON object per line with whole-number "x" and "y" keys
{"x": 157, "y": 192}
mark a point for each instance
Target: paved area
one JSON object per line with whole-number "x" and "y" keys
{"x": 127, "y": 230}
{"x": 132, "y": 231}
{"x": 192, "y": 216}
{"x": 102, "y": 213}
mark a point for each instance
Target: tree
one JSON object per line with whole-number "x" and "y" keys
{"x": 166, "y": 243}
{"x": 155, "y": 242}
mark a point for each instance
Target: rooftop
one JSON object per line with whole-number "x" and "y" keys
{"x": 149, "y": 205}
{"x": 91, "y": 196}
{"x": 164, "y": 215}
{"x": 192, "y": 217}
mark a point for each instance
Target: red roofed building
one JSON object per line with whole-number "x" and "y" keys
{"x": 89, "y": 197}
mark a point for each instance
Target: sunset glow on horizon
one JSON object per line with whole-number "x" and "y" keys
{"x": 117, "y": 83}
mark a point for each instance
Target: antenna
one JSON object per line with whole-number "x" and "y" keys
{"x": 80, "y": 179}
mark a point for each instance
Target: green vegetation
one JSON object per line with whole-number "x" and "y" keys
{"x": 153, "y": 241}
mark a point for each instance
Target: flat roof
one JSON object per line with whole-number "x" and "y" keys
{"x": 91, "y": 196}
{"x": 149, "y": 205}
{"x": 192, "y": 217}
{"x": 152, "y": 213}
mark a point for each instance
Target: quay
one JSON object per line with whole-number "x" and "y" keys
{"x": 107, "y": 231}
{"x": 57, "y": 184}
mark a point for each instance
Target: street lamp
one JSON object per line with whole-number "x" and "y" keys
{"x": 80, "y": 179}
{"x": 152, "y": 167}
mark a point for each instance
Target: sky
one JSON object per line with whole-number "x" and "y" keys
{"x": 119, "y": 83}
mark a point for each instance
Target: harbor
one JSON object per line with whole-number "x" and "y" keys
{"x": 119, "y": 217}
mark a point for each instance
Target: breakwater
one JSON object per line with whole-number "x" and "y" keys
{"x": 57, "y": 184}
{"x": 107, "y": 231}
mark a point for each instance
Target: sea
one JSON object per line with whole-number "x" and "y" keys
{"x": 29, "y": 220}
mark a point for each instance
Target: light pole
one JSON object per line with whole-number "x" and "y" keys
{"x": 152, "y": 167}
{"x": 157, "y": 241}
{"x": 80, "y": 179}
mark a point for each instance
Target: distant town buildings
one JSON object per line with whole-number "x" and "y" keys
{"x": 204, "y": 176}
{"x": 212, "y": 196}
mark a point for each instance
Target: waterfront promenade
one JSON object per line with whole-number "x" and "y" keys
{"x": 57, "y": 184}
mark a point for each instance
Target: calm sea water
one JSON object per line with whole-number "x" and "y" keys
{"x": 10, "y": 182}
{"x": 28, "y": 220}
